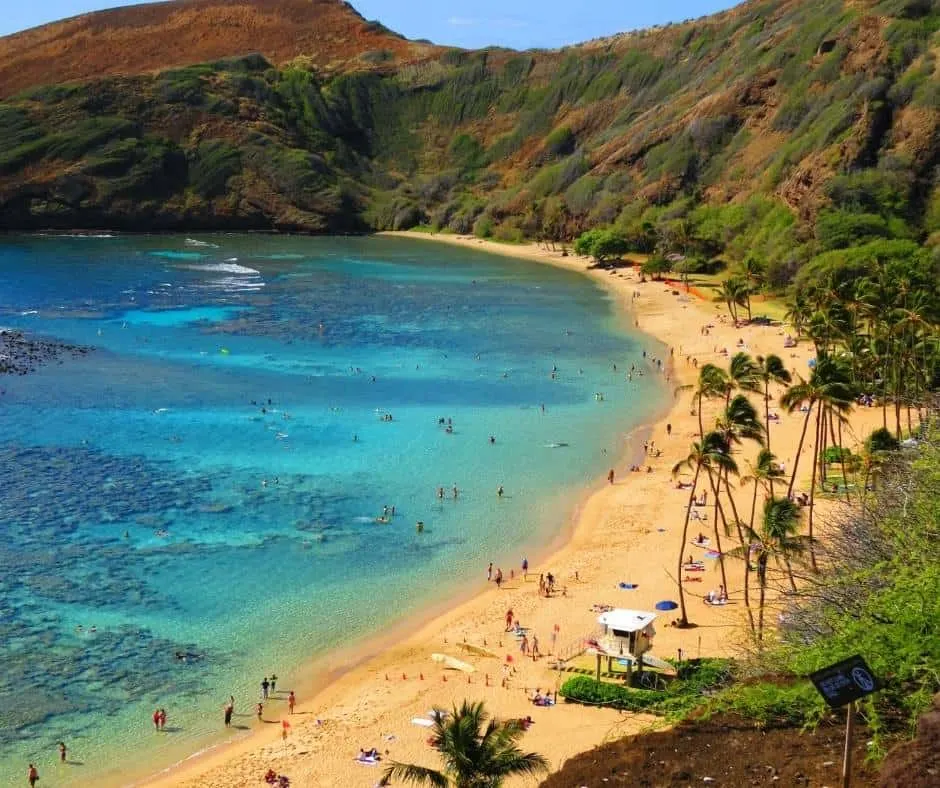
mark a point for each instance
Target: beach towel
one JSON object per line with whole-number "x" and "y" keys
{"x": 627, "y": 586}
{"x": 422, "y": 722}
{"x": 367, "y": 761}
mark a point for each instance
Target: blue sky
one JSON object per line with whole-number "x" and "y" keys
{"x": 520, "y": 24}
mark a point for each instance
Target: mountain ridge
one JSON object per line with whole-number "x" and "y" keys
{"x": 149, "y": 37}
{"x": 779, "y": 129}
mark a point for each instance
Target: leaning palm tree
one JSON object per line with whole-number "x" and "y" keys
{"x": 830, "y": 390}
{"x": 778, "y": 538}
{"x": 738, "y": 422}
{"x": 712, "y": 455}
{"x": 743, "y": 373}
{"x": 770, "y": 369}
{"x": 478, "y": 752}
{"x": 712, "y": 383}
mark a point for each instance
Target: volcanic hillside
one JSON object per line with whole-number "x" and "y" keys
{"x": 778, "y": 130}
{"x": 151, "y": 37}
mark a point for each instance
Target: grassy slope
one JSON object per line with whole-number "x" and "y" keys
{"x": 745, "y": 127}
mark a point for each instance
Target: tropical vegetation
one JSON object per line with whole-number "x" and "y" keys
{"x": 478, "y": 752}
{"x": 775, "y": 138}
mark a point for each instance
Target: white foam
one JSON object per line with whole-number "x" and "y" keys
{"x": 225, "y": 268}
{"x": 194, "y": 242}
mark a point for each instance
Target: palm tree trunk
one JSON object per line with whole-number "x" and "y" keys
{"x": 741, "y": 539}
{"x": 719, "y": 512}
{"x": 838, "y": 444}
{"x": 786, "y": 561}
{"x": 762, "y": 580}
{"x": 821, "y": 444}
{"x": 812, "y": 499}
{"x": 685, "y": 538}
{"x": 767, "y": 411}
{"x": 799, "y": 450}
{"x": 701, "y": 426}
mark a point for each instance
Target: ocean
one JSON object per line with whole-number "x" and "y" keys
{"x": 202, "y": 441}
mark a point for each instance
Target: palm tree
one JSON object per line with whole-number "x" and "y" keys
{"x": 743, "y": 373}
{"x": 710, "y": 452}
{"x": 829, "y": 388}
{"x": 764, "y": 471}
{"x": 734, "y": 292}
{"x": 798, "y": 311}
{"x": 778, "y": 537}
{"x": 770, "y": 369}
{"x": 737, "y": 423}
{"x": 478, "y": 752}
{"x": 712, "y": 383}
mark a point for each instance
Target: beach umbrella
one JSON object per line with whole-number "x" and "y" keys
{"x": 666, "y": 604}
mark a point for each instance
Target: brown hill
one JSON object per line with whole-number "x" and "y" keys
{"x": 144, "y": 38}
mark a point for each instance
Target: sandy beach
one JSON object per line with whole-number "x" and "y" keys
{"x": 625, "y": 532}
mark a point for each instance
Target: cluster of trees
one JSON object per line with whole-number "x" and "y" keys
{"x": 877, "y": 339}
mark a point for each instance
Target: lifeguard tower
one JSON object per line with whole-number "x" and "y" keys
{"x": 627, "y": 636}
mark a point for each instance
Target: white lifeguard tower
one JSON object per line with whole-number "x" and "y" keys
{"x": 627, "y": 636}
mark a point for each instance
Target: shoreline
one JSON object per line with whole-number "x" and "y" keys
{"x": 378, "y": 693}
{"x": 334, "y": 667}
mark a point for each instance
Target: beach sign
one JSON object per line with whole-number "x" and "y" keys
{"x": 845, "y": 682}
{"x": 842, "y": 684}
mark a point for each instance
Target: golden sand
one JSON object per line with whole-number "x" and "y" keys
{"x": 625, "y": 532}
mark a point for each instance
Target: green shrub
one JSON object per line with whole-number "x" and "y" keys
{"x": 584, "y": 689}
{"x": 838, "y": 229}
{"x": 560, "y": 142}
{"x": 211, "y": 165}
{"x": 882, "y": 440}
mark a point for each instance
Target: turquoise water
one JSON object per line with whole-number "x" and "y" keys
{"x": 206, "y": 480}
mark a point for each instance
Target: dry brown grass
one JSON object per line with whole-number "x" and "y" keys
{"x": 146, "y": 38}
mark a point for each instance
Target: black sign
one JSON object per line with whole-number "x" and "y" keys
{"x": 846, "y": 681}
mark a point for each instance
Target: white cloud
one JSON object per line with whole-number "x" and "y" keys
{"x": 462, "y": 21}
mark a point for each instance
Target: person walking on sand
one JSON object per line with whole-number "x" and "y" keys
{"x": 162, "y": 719}
{"x": 535, "y": 648}
{"x": 264, "y": 688}
{"x": 525, "y": 568}
{"x": 489, "y": 572}
{"x": 291, "y": 700}
{"x": 259, "y": 709}
{"x": 499, "y": 578}
{"x": 273, "y": 681}
{"x": 524, "y": 645}
{"x": 509, "y": 619}
{"x": 63, "y": 751}
{"x": 156, "y": 719}
{"x": 32, "y": 774}
{"x": 610, "y": 476}
{"x": 227, "y": 710}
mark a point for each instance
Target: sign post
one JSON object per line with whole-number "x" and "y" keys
{"x": 847, "y": 755}
{"x": 842, "y": 684}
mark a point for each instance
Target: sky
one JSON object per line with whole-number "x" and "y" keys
{"x": 519, "y": 24}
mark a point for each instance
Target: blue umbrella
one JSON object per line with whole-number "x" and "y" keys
{"x": 667, "y": 604}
